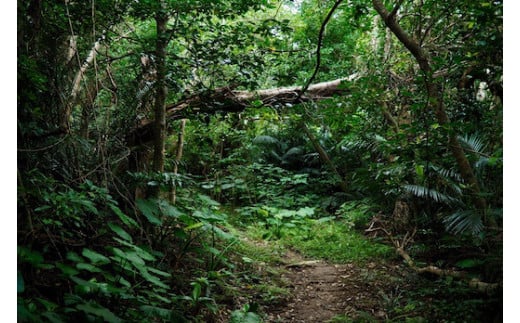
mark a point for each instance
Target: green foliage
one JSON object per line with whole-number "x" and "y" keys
{"x": 357, "y": 213}
{"x": 89, "y": 251}
{"x": 336, "y": 241}
{"x": 245, "y": 315}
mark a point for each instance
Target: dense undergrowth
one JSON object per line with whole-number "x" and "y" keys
{"x": 200, "y": 260}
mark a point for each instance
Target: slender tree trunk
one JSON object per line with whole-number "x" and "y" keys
{"x": 161, "y": 91}
{"x": 76, "y": 85}
{"x": 325, "y": 157}
{"x": 436, "y": 101}
{"x": 178, "y": 158}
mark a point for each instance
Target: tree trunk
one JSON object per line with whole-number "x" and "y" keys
{"x": 325, "y": 157}
{"x": 161, "y": 92}
{"x": 436, "y": 101}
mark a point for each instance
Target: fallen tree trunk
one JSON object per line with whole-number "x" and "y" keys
{"x": 229, "y": 100}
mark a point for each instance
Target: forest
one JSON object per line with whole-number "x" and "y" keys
{"x": 259, "y": 161}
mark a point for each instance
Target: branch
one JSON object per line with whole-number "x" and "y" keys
{"x": 318, "y": 49}
{"x": 400, "y": 247}
{"x": 410, "y": 43}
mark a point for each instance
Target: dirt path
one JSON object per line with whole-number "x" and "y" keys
{"x": 321, "y": 291}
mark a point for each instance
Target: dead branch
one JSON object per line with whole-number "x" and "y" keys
{"x": 377, "y": 224}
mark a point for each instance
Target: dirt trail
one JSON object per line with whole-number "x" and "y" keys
{"x": 321, "y": 291}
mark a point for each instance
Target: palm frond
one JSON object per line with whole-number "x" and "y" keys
{"x": 294, "y": 152}
{"x": 429, "y": 193}
{"x": 467, "y": 221}
{"x": 266, "y": 140}
{"x": 473, "y": 143}
{"x": 446, "y": 173}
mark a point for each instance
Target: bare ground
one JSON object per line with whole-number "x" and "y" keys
{"x": 322, "y": 291}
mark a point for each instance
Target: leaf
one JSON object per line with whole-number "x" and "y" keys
{"x": 72, "y": 256}
{"x": 425, "y": 192}
{"x": 209, "y": 216}
{"x": 221, "y": 233}
{"x": 88, "y": 267}
{"x": 49, "y": 306}
{"x": 66, "y": 269}
{"x": 473, "y": 143}
{"x": 120, "y": 232}
{"x": 141, "y": 252}
{"x": 197, "y": 289}
{"x": 266, "y": 140}
{"x": 98, "y": 310}
{"x": 206, "y": 200}
{"x": 33, "y": 257}
{"x": 95, "y": 257}
{"x": 150, "y": 210}
{"x": 227, "y": 186}
{"x": 169, "y": 210}
{"x": 468, "y": 221}
{"x": 194, "y": 226}
{"x": 134, "y": 258}
{"x": 151, "y": 278}
{"x": 159, "y": 272}
{"x": 123, "y": 217}
{"x": 305, "y": 211}
{"x": 84, "y": 285}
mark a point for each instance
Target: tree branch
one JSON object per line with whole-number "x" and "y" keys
{"x": 318, "y": 49}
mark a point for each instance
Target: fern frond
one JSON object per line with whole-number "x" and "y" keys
{"x": 467, "y": 221}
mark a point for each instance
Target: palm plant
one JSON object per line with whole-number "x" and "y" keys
{"x": 447, "y": 189}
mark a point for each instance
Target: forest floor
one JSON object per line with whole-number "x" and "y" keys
{"x": 290, "y": 285}
{"x": 322, "y": 291}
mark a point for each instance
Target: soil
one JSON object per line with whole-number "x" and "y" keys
{"x": 322, "y": 291}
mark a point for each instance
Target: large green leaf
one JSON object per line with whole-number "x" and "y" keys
{"x": 141, "y": 252}
{"x": 33, "y": 257}
{"x": 88, "y": 267}
{"x": 159, "y": 272}
{"x": 120, "y": 232}
{"x": 66, "y": 269}
{"x": 151, "y": 278}
{"x": 123, "y": 217}
{"x": 95, "y": 257}
{"x": 169, "y": 210}
{"x": 150, "y": 210}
